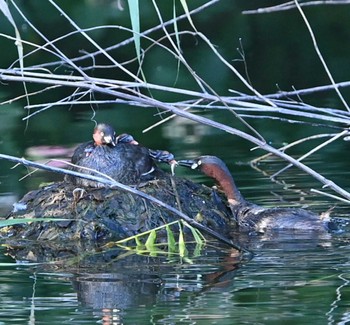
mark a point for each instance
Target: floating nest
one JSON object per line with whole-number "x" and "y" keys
{"x": 104, "y": 214}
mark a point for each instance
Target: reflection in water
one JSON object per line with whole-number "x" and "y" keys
{"x": 283, "y": 282}
{"x": 44, "y": 154}
{"x": 147, "y": 284}
{"x": 185, "y": 130}
{"x": 116, "y": 290}
{"x": 7, "y": 200}
{"x": 286, "y": 274}
{"x": 114, "y": 283}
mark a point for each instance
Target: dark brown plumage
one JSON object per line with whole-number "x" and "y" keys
{"x": 249, "y": 216}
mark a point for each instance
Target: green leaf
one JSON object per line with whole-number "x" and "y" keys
{"x": 151, "y": 240}
{"x": 197, "y": 235}
{"x": 198, "y": 250}
{"x": 182, "y": 244}
{"x": 10, "y": 222}
{"x": 175, "y": 26}
{"x": 184, "y": 5}
{"x": 6, "y": 11}
{"x": 171, "y": 240}
{"x": 135, "y": 24}
{"x": 138, "y": 242}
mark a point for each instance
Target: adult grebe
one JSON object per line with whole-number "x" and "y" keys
{"x": 249, "y": 216}
{"x": 119, "y": 157}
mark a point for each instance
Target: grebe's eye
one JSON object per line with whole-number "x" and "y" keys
{"x": 196, "y": 164}
{"x": 102, "y": 134}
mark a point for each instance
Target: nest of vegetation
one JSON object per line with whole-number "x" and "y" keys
{"x": 104, "y": 214}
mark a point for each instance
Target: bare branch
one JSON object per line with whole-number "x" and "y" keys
{"x": 319, "y": 54}
{"x": 291, "y": 5}
{"x": 337, "y": 136}
{"x": 131, "y": 39}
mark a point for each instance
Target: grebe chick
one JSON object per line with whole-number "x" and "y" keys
{"x": 119, "y": 157}
{"x": 249, "y": 216}
{"x": 162, "y": 156}
{"x": 126, "y": 138}
{"x": 103, "y": 134}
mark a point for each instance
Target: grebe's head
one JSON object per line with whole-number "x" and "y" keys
{"x": 211, "y": 166}
{"x": 104, "y": 134}
{"x": 126, "y": 138}
{"x": 215, "y": 168}
{"x": 203, "y": 162}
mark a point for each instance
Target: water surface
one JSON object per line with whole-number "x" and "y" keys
{"x": 291, "y": 279}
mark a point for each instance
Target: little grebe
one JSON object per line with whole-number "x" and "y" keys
{"x": 249, "y": 216}
{"x": 119, "y": 157}
{"x": 103, "y": 134}
{"x": 158, "y": 155}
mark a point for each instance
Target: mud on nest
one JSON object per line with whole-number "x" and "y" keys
{"x": 102, "y": 214}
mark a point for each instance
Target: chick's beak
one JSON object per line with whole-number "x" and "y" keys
{"x": 188, "y": 163}
{"x": 110, "y": 140}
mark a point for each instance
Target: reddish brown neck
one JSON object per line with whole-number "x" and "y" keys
{"x": 225, "y": 181}
{"x": 97, "y": 138}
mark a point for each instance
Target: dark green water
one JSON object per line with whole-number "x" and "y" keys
{"x": 290, "y": 280}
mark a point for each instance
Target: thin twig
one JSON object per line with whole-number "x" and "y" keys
{"x": 107, "y": 55}
{"x": 300, "y": 92}
{"x": 131, "y": 39}
{"x": 172, "y": 109}
{"x": 291, "y": 5}
{"x": 60, "y": 53}
{"x": 341, "y": 134}
{"x": 63, "y": 80}
{"x": 330, "y": 195}
{"x": 204, "y": 85}
{"x": 319, "y": 54}
{"x": 292, "y": 144}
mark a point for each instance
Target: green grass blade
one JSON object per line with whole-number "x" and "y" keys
{"x": 6, "y": 11}
{"x": 182, "y": 244}
{"x": 171, "y": 240}
{"x": 175, "y": 26}
{"x": 198, "y": 250}
{"x": 150, "y": 242}
{"x": 11, "y": 222}
{"x": 187, "y": 12}
{"x": 134, "y": 11}
{"x": 138, "y": 242}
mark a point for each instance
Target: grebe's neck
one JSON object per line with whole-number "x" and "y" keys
{"x": 216, "y": 168}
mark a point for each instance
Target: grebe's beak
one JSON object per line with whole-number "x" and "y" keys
{"x": 109, "y": 140}
{"x": 193, "y": 164}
